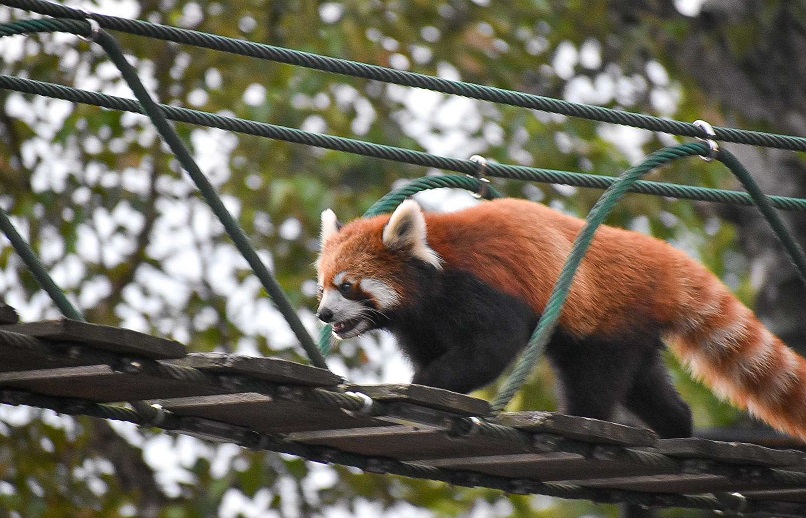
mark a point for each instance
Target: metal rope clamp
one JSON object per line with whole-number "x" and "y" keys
{"x": 481, "y": 170}
{"x": 95, "y": 28}
{"x": 713, "y": 147}
{"x": 367, "y": 402}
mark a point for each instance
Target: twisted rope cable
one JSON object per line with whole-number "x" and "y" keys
{"x": 392, "y": 153}
{"x": 37, "y": 269}
{"x": 548, "y": 320}
{"x": 358, "y": 147}
{"x": 389, "y": 75}
{"x": 155, "y": 113}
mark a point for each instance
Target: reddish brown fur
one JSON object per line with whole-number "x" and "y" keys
{"x": 626, "y": 280}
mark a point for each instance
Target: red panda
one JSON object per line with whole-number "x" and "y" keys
{"x": 462, "y": 293}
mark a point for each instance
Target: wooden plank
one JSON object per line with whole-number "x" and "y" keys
{"x": 430, "y": 397}
{"x": 8, "y": 315}
{"x": 731, "y": 452}
{"x": 274, "y": 370}
{"x": 689, "y": 483}
{"x": 784, "y": 495}
{"x": 409, "y": 442}
{"x": 22, "y": 352}
{"x": 548, "y": 466}
{"x": 111, "y": 339}
{"x": 267, "y": 414}
{"x": 578, "y": 428}
{"x": 100, "y": 383}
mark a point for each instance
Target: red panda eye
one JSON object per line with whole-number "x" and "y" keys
{"x": 320, "y": 290}
{"x": 346, "y": 289}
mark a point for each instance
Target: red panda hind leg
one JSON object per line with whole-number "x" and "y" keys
{"x": 595, "y": 375}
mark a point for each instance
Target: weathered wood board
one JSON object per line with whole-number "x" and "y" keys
{"x": 409, "y": 442}
{"x": 101, "y": 383}
{"x": 546, "y": 466}
{"x": 111, "y": 339}
{"x": 267, "y": 414}
{"x": 22, "y": 352}
{"x": 8, "y": 315}
{"x": 581, "y": 428}
{"x": 429, "y": 397}
{"x": 274, "y": 370}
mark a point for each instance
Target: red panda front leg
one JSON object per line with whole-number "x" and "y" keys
{"x": 460, "y": 333}
{"x": 470, "y": 365}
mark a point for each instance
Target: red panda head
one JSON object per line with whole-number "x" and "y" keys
{"x": 362, "y": 267}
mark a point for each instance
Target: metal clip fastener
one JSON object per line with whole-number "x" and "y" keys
{"x": 366, "y": 401}
{"x": 95, "y": 31}
{"x": 481, "y": 171}
{"x": 713, "y": 147}
{"x": 159, "y": 415}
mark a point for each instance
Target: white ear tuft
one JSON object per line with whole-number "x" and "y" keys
{"x": 330, "y": 225}
{"x": 406, "y": 230}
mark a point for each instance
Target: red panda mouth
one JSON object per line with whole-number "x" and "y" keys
{"x": 345, "y": 326}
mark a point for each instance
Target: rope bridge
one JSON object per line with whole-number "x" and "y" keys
{"x": 74, "y": 367}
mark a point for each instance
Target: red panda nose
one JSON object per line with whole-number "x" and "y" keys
{"x": 325, "y": 315}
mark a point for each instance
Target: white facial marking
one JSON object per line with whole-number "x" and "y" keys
{"x": 383, "y": 294}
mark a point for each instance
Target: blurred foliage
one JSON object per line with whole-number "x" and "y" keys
{"x": 125, "y": 234}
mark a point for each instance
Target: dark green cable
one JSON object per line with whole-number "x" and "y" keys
{"x": 389, "y": 152}
{"x": 389, "y": 75}
{"x": 793, "y": 249}
{"x": 207, "y": 190}
{"x": 548, "y": 320}
{"x": 154, "y": 112}
{"x": 37, "y": 269}
{"x": 796, "y": 253}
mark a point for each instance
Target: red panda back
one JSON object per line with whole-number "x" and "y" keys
{"x": 520, "y": 247}
{"x": 627, "y": 283}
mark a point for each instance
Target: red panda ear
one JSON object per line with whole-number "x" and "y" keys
{"x": 406, "y": 230}
{"x": 330, "y": 225}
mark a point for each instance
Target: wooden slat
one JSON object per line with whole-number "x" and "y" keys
{"x": 549, "y": 466}
{"x": 430, "y": 397}
{"x": 8, "y": 315}
{"x": 784, "y": 495}
{"x": 578, "y": 428}
{"x": 693, "y": 483}
{"x": 737, "y": 453}
{"x": 111, "y": 339}
{"x": 267, "y": 414}
{"x": 100, "y": 383}
{"x": 22, "y": 352}
{"x": 409, "y": 442}
{"x": 274, "y": 370}
{"x": 683, "y": 483}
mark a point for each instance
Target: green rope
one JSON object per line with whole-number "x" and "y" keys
{"x": 392, "y": 153}
{"x": 548, "y": 320}
{"x": 152, "y": 109}
{"x": 603, "y": 207}
{"x": 389, "y": 75}
{"x": 793, "y": 249}
{"x": 30, "y": 259}
{"x": 390, "y": 201}
{"x": 156, "y": 112}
